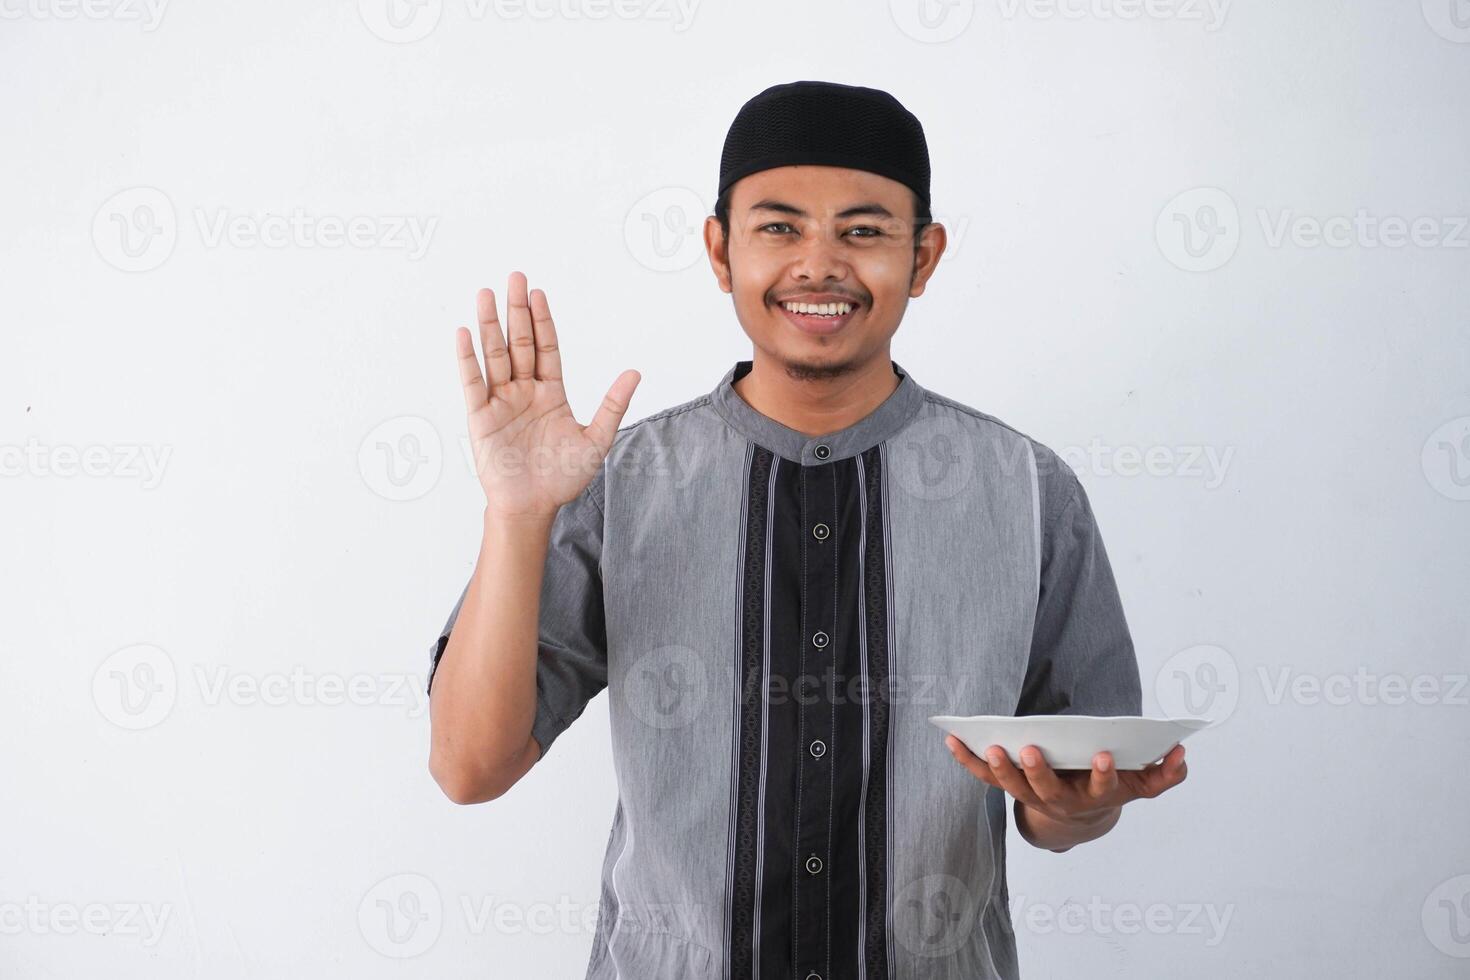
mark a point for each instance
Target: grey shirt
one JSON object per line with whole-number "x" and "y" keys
{"x": 775, "y": 616}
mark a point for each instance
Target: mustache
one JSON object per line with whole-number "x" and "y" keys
{"x": 841, "y": 293}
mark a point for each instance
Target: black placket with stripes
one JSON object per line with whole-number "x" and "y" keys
{"x": 809, "y": 810}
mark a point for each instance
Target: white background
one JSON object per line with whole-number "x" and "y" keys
{"x": 264, "y": 834}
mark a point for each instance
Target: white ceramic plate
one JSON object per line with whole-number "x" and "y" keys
{"x": 1070, "y": 741}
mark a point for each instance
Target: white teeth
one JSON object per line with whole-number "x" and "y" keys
{"x": 821, "y": 309}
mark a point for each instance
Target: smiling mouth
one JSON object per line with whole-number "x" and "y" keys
{"x": 819, "y": 318}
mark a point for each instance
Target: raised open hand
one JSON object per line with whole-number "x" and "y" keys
{"x": 531, "y": 454}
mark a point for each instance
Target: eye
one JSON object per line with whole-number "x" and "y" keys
{"x": 784, "y": 227}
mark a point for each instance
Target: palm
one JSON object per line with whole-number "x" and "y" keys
{"x": 530, "y": 452}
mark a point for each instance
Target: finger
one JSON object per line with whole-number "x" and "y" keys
{"x": 470, "y": 378}
{"x": 1104, "y": 780}
{"x": 604, "y": 425}
{"x": 1011, "y": 779}
{"x": 1161, "y": 778}
{"x": 1043, "y": 778}
{"x": 492, "y": 341}
{"x": 1172, "y": 770}
{"x": 548, "y": 356}
{"x": 977, "y": 766}
{"x": 961, "y": 751}
{"x": 1169, "y": 766}
{"x": 520, "y": 337}
{"x": 1168, "y": 773}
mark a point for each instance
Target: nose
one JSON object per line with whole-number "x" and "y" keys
{"x": 819, "y": 259}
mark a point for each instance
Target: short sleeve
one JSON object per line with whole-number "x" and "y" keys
{"x": 1082, "y": 659}
{"x": 571, "y": 659}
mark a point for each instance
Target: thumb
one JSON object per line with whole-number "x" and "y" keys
{"x": 609, "y": 416}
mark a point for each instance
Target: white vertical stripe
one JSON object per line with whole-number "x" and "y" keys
{"x": 994, "y": 870}
{"x": 627, "y": 816}
{"x": 832, "y": 715}
{"x": 892, "y": 727}
{"x": 730, "y": 842}
{"x": 613, "y": 880}
{"x": 863, "y": 666}
{"x": 1035, "y": 511}
{"x": 760, "y": 819}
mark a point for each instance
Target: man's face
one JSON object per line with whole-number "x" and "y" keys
{"x": 821, "y": 235}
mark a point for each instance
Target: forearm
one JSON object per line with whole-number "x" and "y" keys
{"x": 483, "y": 699}
{"x": 1039, "y": 830}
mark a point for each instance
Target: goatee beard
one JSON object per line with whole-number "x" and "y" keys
{"x": 802, "y": 371}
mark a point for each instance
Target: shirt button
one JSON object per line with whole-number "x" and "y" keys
{"x": 819, "y": 639}
{"x": 820, "y": 531}
{"x": 819, "y": 749}
{"x": 822, "y": 452}
{"x": 814, "y": 864}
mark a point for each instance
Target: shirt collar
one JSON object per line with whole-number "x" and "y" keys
{"x": 878, "y": 425}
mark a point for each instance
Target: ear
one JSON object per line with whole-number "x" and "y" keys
{"x": 932, "y": 241}
{"x": 718, "y": 250}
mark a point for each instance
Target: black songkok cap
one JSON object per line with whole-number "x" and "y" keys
{"x": 829, "y": 124}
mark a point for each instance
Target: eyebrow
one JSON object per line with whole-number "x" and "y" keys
{"x": 781, "y": 207}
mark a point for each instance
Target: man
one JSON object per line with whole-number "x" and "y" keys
{"x": 778, "y": 583}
